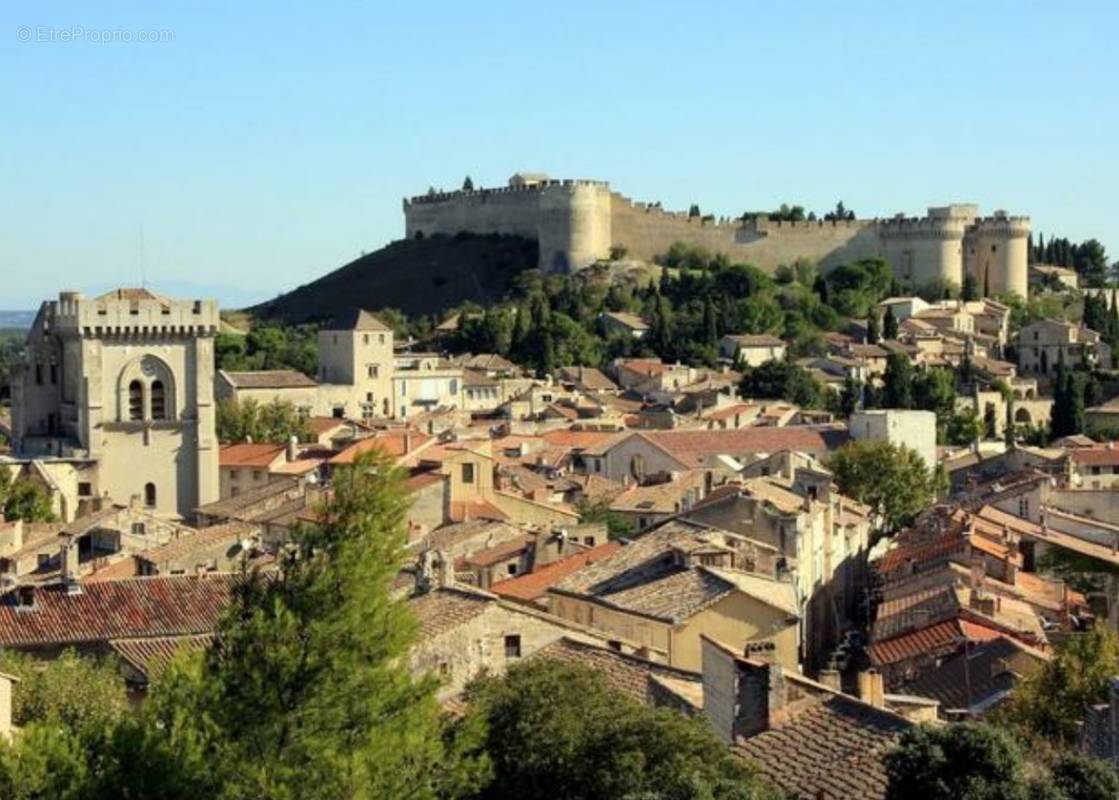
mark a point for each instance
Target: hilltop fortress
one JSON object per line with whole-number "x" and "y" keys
{"x": 578, "y": 222}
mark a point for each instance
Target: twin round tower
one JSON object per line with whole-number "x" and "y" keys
{"x": 579, "y": 222}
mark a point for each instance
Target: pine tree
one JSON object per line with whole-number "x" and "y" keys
{"x": 306, "y": 691}
{"x": 1008, "y": 432}
{"x": 1058, "y": 414}
{"x": 889, "y": 324}
{"x": 990, "y": 421}
{"x": 468, "y": 184}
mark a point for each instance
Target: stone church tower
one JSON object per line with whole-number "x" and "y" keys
{"x": 124, "y": 382}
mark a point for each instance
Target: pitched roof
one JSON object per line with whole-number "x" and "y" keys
{"x": 391, "y": 443}
{"x": 985, "y": 674}
{"x": 149, "y": 657}
{"x": 628, "y": 674}
{"x": 756, "y": 340}
{"x": 268, "y": 379}
{"x": 444, "y": 609}
{"x": 355, "y": 319}
{"x": 589, "y": 378}
{"x": 693, "y": 447}
{"x": 183, "y": 546}
{"x": 535, "y": 584}
{"x": 830, "y": 747}
{"x": 249, "y": 454}
{"x": 631, "y": 321}
{"x": 133, "y": 607}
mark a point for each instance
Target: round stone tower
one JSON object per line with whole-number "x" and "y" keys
{"x": 574, "y": 224}
{"x": 997, "y": 254}
{"x": 928, "y": 249}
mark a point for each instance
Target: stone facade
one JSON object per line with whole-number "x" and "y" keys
{"x": 126, "y": 381}
{"x": 579, "y": 222}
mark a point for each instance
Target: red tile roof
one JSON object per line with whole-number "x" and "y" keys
{"x": 535, "y": 584}
{"x": 692, "y": 446}
{"x": 1095, "y": 456}
{"x": 130, "y": 608}
{"x": 391, "y": 443}
{"x": 498, "y": 553}
{"x": 149, "y": 657}
{"x": 250, "y": 455}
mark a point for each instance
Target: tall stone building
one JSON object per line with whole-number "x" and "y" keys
{"x": 579, "y": 222}
{"x": 122, "y": 387}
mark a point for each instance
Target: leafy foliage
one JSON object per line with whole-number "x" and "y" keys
{"x": 24, "y": 498}
{"x": 274, "y": 422}
{"x": 893, "y": 480}
{"x": 556, "y": 730}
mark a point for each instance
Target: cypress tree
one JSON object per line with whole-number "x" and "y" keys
{"x": 1008, "y": 432}
{"x": 968, "y": 291}
{"x": 889, "y": 324}
{"x": 710, "y": 323}
{"x": 898, "y": 389}
{"x": 872, "y": 327}
{"x": 987, "y": 283}
{"x": 990, "y": 421}
{"x": 1058, "y": 414}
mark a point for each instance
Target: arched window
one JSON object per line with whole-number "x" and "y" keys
{"x": 149, "y": 495}
{"x": 159, "y": 400}
{"x": 135, "y": 400}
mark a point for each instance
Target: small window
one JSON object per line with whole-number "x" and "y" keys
{"x": 468, "y": 473}
{"x": 54, "y": 373}
{"x": 339, "y": 412}
{"x": 234, "y": 491}
{"x": 44, "y": 560}
{"x": 513, "y": 646}
{"x": 588, "y": 541}
{"x": 365, "y": 338}
{"x": 39, "y": 374}
{"x": 256, "y": 474}
{"x": 149, "y": 495}
{"x": 135, "y": 401}
{"x": 159, "y": 401}
{"x": 511, "y": 568}
{"x": 234, "y": 474}
{"x": 372, "y": 370}
{"x": 85, "y": 489}
{"x": 137, "y": 529}
{"x": 444, "y": 669}
{"x": 381, "y": 339}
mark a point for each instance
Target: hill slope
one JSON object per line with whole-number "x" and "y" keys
{"x": 420, "y": 276}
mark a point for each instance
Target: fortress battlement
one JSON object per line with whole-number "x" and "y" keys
{"x": 527, "y": 189}
{"x": 134, "y": 312}
{"x": 578, "y": 222}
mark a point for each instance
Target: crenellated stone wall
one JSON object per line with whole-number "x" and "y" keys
{"x": 578, "y": 222}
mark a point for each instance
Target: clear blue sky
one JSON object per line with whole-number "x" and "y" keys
{"x": 271, "y": 142}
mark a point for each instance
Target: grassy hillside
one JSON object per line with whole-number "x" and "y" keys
{"x": 421, "y": 276}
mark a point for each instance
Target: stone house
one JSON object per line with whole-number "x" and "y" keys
{"x": 623, "y": 323}
{"x": 751, "y": 350}
{"x": 665, "y": 588}
{"x": 268, "y": 386}
{"x": 903, "y": 427}
{"x": 1043, "y": 344}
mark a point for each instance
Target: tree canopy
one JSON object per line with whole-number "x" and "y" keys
{"x": 893, "y": 480}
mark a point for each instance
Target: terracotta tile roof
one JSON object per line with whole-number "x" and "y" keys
{"x": 250, "y": 455}
{"x": 149, "y": 657}
{"x": 490, "y": 362}
{"x": 476, "y": 378}
{"x": 660, "y": 498}
{"x": 693, "y": 447}
{"x": 625, "y": 673}
{"x": 828, "y": 747}
{"x": 589, "y": 378}
{"x": 987, "y": 672}
{"x": 421, "y": 480}
{"x": 269, "y": 379}
{"x": 535, "y": 584}
{"x": 444, "y": 609}
{"x": 647, "y": 367}
{"x": 104, "y": 610}
{"x": 1105, "y": 455}
{"x": 933, "y": 641}
{"x": 498, "y": 553}
{"x": 394, "y": 443}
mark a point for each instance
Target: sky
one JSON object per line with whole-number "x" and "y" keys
{"x": 252, "y": 147}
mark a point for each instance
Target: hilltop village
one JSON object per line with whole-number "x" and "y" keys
{"x": 812, "y": 481}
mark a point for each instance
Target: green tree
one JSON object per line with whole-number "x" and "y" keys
{"x": 781, "y": 380}
{"x": 969, "y": 291}
{"x": 468, "y": 184}
{"x": 1051, "y": 702}
{"x": 556, "y": 730}
{"x": 82, "y": 694}
{"x": 710, "y": 323}
{"x": 24, "y": 498}
{"x": 898, "y": 382}
{"x": 968, "y": 761}
{"x": 935, "y": 390}
{"x": 872, "y": 333}
{"x": 274, "y": 422}
{"x": 892, "y": 479}
{"x": 964, "y": 428}
{"x": 889, "y": 324}
{"x": 851, "y": 397}
{"x": 1079, "y": 777}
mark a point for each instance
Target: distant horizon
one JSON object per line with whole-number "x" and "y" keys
{"x": 211, "y": 157}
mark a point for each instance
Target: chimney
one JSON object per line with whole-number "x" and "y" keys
{"x": 831, "y": 679}
{"x": 407, "y": 442}
{"x": 293, "y": 449}
{"x": 740, "y": 695}
{"x": 68, "y": 562}
{"x": 872, "y": 688}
